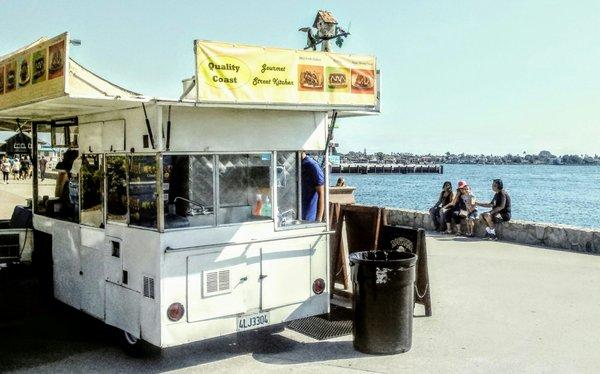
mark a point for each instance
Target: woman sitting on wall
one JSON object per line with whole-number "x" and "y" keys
{"x": 436, "y": 212}
{"x": 457, "y": 211}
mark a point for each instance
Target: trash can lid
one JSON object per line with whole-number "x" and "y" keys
{"x": 393, "y": 258}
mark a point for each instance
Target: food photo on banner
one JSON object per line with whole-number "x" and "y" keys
{"x": 39, "y": 65}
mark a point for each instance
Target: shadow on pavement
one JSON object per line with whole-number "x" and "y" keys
{"x": 314, "y": 352}
{"x": 34, "y": 331}
{"x": 48, "y": 335}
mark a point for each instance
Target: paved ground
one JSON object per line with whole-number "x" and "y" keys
{"x": 498, "y": 307}
{"x": 16, "y": 191}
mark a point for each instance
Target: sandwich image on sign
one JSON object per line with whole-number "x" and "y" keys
{"x": 310, "y": 78}
{"x": 57, "y": 60}
{"x": 39, "y": 66}
{"x": 363, "y": 81}
{"x": 338, "y": 79}
{"x": 11, "y": 76}
{"x": 24, "y": 70}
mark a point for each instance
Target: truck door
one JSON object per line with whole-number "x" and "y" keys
{"x": 286, "y": 271}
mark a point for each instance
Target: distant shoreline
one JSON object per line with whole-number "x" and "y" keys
{"x": 514, "y": 164}
{"x": 543, "y": 158}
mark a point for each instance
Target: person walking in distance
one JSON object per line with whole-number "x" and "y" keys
{"x": 5, "y": 166}
{"x": 42, "y": 165}
{"x": 16, "y": 168}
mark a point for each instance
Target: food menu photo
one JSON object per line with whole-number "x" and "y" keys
{"x": 39, "y": 65}
{"x": 57, "y": 60}
{"x": 310, "y": 78}
{"x": 338, "y": 79}
{"x": 11, "y": 76}
{"x": 24, "y": 64}
{"x": 363, "y": 81}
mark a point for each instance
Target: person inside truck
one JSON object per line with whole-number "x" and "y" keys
{"x": 313, "y": 190}
{"x": 65, "y": 191}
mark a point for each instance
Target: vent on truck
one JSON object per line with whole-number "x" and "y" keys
{"x": 148, "y": 287}
{"x": 216, "y": 282}
{"x": 9, "y": 247}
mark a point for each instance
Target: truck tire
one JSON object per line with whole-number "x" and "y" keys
{"x": 136, "y": 347}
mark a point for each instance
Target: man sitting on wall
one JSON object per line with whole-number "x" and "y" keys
{"x": 313, "y": 190}
{"x": 500, "y": 212}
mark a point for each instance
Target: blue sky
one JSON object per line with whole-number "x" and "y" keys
{"x": 459, "y": 76}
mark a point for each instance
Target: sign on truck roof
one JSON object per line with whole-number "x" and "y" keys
{"x": 233, "y": 73}
{"x": 35, "y": 73}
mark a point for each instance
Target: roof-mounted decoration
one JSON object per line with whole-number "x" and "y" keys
{"x": 324, "y": 16}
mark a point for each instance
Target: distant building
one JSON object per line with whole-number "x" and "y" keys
{"x": 18, "y": 144}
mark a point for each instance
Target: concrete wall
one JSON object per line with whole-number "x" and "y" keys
{"x": 525, "y": 232}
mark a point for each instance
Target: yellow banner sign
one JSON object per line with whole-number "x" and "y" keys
{"x": 258, "y": 75}
{"x": 34, "y": 74}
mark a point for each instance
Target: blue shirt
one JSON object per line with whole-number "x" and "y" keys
{"x": 312, "y": 177}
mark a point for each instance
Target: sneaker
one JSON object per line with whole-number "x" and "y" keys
{"x": 493, "y": 237}
{"x": 487, "y": 236}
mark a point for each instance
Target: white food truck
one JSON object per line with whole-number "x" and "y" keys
{"x": 182, "y": 220}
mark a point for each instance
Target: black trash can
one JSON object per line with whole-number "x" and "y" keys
{"x": 383, "y": 300}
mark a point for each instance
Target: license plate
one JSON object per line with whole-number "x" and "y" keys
{"x": 252, "y": 321}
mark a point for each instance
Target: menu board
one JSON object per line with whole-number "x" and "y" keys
{"x": 259, "y": 75}
{"x": 34, "y": 74}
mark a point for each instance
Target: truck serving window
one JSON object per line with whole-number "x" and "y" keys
{"x": 142, "y": 191}
{"x": 288, "y": 188}
{"x": 244, "y": 188}
{"x": 188, "y": 190}
{"x": 290, "y": 178}
{"x": 116, "y": 188}
{"x": 91, "y": 179}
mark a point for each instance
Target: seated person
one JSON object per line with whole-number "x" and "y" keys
{"x": 471, "y": 206}
{"x": 453, "y": 210}
{"x": 460, "y": 211}
{"x": 65, "y": 191}
{"x": 436, "y": 212}
{"x": 501, "y": 209}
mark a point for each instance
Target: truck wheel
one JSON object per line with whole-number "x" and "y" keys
{"x": 136, "y": 347}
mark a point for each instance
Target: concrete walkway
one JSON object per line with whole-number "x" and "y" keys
{"x": 497, "y": 307}
{"x": 17, "y": 191}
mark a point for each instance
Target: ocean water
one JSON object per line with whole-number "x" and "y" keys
{"x": 544, "y": 193}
